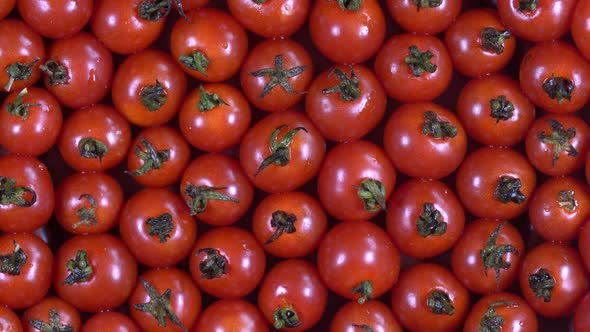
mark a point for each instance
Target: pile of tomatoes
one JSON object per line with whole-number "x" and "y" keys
{"x": 309, "y": 165}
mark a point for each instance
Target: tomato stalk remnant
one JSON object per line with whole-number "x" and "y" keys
{"x": 196, "y": 60}
{"x": 153, "y": 96}
{"x": 559, "y": 88}
{"x": 286, "y": 318}
{"x": 437, "y": 127}
{"x": 542, "y": 283}
{"x": 54, "y": 324}
{"x": 362, "y": 327}
{"x": 502, "y": 108}
{"x": 57, "y": 73}
{"x": 347, "y": 87}
{"x": 508, "y": 190}
{"x": 566, "y": 200}
{"x": 87, "y": 216}
{"x": 201, "y": 195}
{"x": 430, "y": 221}
{"x": 419, "y": 62}
{"x": 426, "y": 4}
{"x": 492, "y": 255}
{"x": 353, "y": 5}
{"x": 493, "y": 40}
{"x": 527, "y": 5}
{"x": 284, "y": 223}
{"x": 440, "y": 303}
{"x": 365, "y": 290}
{"x": 491, "y": 321}
{"x": 208, "y": 101}
{"x": 152, "y": 158}
{"x": 214, "y": 265}
{"x": 159, "y": 306}
{"x": 18, "y": 107}
{"x": 161, "y": 226}
{"x": 92, "y": 148}
{"x": 280, "y": 154}
{"x": 154, "y": 10}
{"x": 13, "y": 263}
{"x": 80, "y": 269}
{"x": 559, "y": 138}
{"x": 10, "y": 193}
{"x": 278, "y": 76}
{"x": 372, "y": 193}
{"x": 19, "y": 72}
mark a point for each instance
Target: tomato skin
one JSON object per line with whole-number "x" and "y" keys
{"x": 294, "y": 284}
{"x": 584, "y": 245}
{"x": 421, "y": 155}
{"x": 89, "y": 66}
{"x": 34, "y": 175}
{"x": 56, "y": 19}
{"x": 465, "y": 43}
{"x": 9, "y": 321}
{"x": 113, "y": 268}
{"x": 68, "y": 315}
{"x": 565, "y": 266}
{"x": 428, "y": 20}
{"x": 98, "y": 122}
{"x": 582, "y": 315}
{"x": 29, "y": 286}
{"x": 109, "y": 322}
{"x": 517, "y": 314}
{"x": 307, "y": 151}
{"x": 468, "y": 265}
{"x": 480, "y": 175}
{"x": 161, "y": 139}
{"x": 579, "y": 29}
{"x": 220, "y": 127}
{"x": 149, "y": 249}
{"x": 6, "y": 7}
{"x": 353, "y": 252}
{"x": 398, "y": 78}
{"x": 231, "y": 316}
{"x": 558, "y": 59}
{"x": 344, "y": 170}
{"x": 475, "y": 111}
{"x": 360, "y": 32}
{"x": 410, "y": 294}
{"x": 188, "y": 5}
{"x": 373, "y": 314}
{"x": 72, "y": 201}
{"x": 39, "y": 131}
{"x": 342, "y": 120}
{"x": 405, "y": 207}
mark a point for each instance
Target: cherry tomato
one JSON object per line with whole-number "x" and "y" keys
{"x": 6, "y": 7}
{"x": 282, "y": 152}
{"x": 79, "y": 70}
{"x": 555, "y": 76}
{"x": 214, "y": 117}
{"x": 159, "y": 157}
{"x": 148, "y": 88}
{"x": 109, "y": 322}
{"x": 276, "y": 74}
{"x": 579, "y": 29}
{"x": 414, "y": 67}
{"x": 584, "y": 244}
{"x": 188, "y": 5}
{"x": 487, "y": 256}
{"x": 157, "y": 227}
{"x": 30, "y": 121}
{"x": 424, "y": 140}
{"x": 552, "y": 279}
{"x": 424, "y": 218}
{"x": 371, "y": 316}
{"x": 27, "y": 196}
{"x": 495, "y": 183}
{"x": 51, "y": 314}
{"x": 231, "y": 316}
{"x": 289, "y": 225}
{"x": 25, "y": 270}
{"x": 87, "y": 265}
{"x": 55, "y": 19}
{"x": 292, "y": 296}
{"x": 345, "y": 107}
{"x": 9, "y": 321}
{"x": 504, "y": 312}
{"x": 216, "y": 189}
{"x": 95, "y": 138}
{"x": 582, "y": 315}
{"x": 430, "y": 17}
{"x": 494, "y": 111}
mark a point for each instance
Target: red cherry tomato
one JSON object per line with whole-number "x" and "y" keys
{"x": 231, "y": 316}
{"x": 9, "y": 321}
{"x": 6, "y": 7}
{"x": 579, "y": 29}
{"x": 582, "y": 315}
{"x": 370, "y": 316}
{"x": 109, "y": 322}
{"x": 52, "y": 313}
{"x": 584, "y": 245}
{"x": 430, "y": 17}
{"x": 55, "y": 19}
{"x": 506, "y": 311}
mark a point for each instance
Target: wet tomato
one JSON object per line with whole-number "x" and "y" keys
{"x": 430, "y": 17}
{"x": 370, "y": 316}
{"x": 231, "y": 316}
{"x": 51, "y": 314}
{"x": 270, "y": 19}
{"x": 505, "y": 311}
{"x": 579, "y": 29}
{"x": 109, "y": 322}
{"x": 56, "y": 19}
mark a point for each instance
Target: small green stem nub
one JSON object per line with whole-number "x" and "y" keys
{"x": 201, "y": 195}
{"x": 566, "y": 200}
{"x": 10, "y": 193}
{"x": 542, "y": 283}
{"x": 259, "y": 2}
{"x": 491, "y": 321}
{"x": 283, "y": 222}
{"x": 286, "y": 318}
{"x": 352, "y": 5}
{"x": 440, "y": 303}
{"x": 214, "y": 265}
{"x": 419, "y": 62}
{"x": 154, "y": 10}
{"x": 79, "y": 268}
{"x": 13, "y": 262}
{"x": 559, "y": 88}
{"x": 280, "y": 153}
{"x": 161, "y": 226}
{"x": 54, "y": 325}
{"x": 365, "y": 290}
{"x": 559, "y": 139}
{"x": 493, "y": 40}
{"x": 197, "y": 61}
{"x": 153, "y": 96}
{"x": 348, "y": 88}
{"x": 278, "y": 76}
{"x": 492, "y": 255}
{"x": 86, "y": 216}
{"x": 18, "y": 107}
{"x": 527, "y": 5}
{"x": 372, "y": 192}
{"x": 152, "y": 159}
{"x": 91, "y": 148}
{"x": 363, "y": 327}
{"x": 19, "y": 72}
{"x": 430, "y": 221}
{"x": 508, "y": 190}
{"x": 426, "y": 4}
{"x": 502, "y": 108}
{"x": 159, "y": 306}
{"x": 436, "y": 127}
{"x": 57, "y": 73}
{"x": 208, "y": 101}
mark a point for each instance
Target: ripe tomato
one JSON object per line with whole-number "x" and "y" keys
{"x": 355, "y": 181}
{"x": 414, "y": 67}
{"x": 214, "y": 117}
{"x": 55, "y": 19}
{"x": 270, "y": 19}
{"x": 424, "y": 218}
{"x": 495, "y": 183}
{"x": 559, "y": 208}
{"x": 504, "y": 312}
{"x": 87, "y": 265}
{"x": 345, "y": 107}
{"x": 357, "y": 260}
{"x": 51, "y": 314}
{"x": 276, "y": 74}
{"x": 429, "y": 297}
{"x": 584, "y": 244}
{"x": 282, "y": 152}
{"x": 165, "y": 300}
{"x": 9, "y": 321}
{"x": 579, "y": 29}
{"x": 188, "y": 5}
{"x": 79, "y": 70}
{"x": 552, "y": 279}
{"x": 582, "y": 315}
{"x": 494, "y": 111}
{"x": 292, "y": 296}
{"x": 6, "y": 7}
{"x": 216, "y": 189}
{"x": 289, "y": 225}
{"x": 479, "y": 43}
{"x": 160, "y": 156}
{"x": 95, "y": 138}
{"x": 227, "y": 262}
{"x": 109, "y": 322}
{"x": 429, "y": 17}
{"x": 231, "y": 316}
{"x": 347, "y": 31}
{"x": 148, "y": 88}
{"x": 537, "y": 20}
{"x": 30, "y": 121}
{"x": 424, "y": 140}
{"x": 21, "y": 53}
{"x": 26, "y": 264}
{"x": 157, "y": 227}
{"x": 27, "y": 197}
{"x": 555, "y": 77}
{"x": 557, "y": 144}
{"x": 88, "y": 203}
{"x": 370, "y": 316}
{"x": 487, "y": 256}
